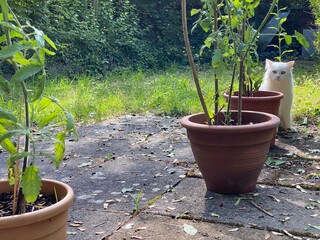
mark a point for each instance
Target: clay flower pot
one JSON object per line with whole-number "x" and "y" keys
{"x": 230, "y": 157}
{"x": 261, "y": 101}
{"x": 46, "y": 224}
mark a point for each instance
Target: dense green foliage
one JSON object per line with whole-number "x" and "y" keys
{"x": 95, "y": 37}
{"x": 112, "y": 35}
{"x": 316, "y": 11}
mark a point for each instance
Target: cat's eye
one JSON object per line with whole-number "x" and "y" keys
{"x": 275, "y": 72}
{"x": 283, "y": 72}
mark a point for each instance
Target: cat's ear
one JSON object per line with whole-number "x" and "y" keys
{"x": 290, "y": 64}
{"x": 268, "y": 63}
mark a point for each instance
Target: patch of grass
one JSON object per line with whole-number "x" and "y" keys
{"x": 170, "y": 92}
{"x": 306, "y": 102}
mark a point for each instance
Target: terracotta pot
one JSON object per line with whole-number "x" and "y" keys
{"x": 46, "y": 224}
{"x": 261, "y": 101}
{"x": 230, "y": 157}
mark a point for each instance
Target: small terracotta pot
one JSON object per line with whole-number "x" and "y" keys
{"x": 261, "y": 101}
{"x": 230, "y": 157}
{"x": 46, "y": 224}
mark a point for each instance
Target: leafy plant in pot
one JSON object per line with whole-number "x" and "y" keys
{"x": 230, "y": 147}
{"x": 38, "y": 118}
{"x": 266, "y": 100}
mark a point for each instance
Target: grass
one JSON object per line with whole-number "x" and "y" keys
{"x": 170, "y": 92}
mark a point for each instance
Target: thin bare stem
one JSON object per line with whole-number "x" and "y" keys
{"x": 216, "y": 80}
{"x": 191, "y": 61}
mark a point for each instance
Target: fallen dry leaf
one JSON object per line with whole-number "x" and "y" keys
{"x": 277, "y": 233}
{"x": 140, "y": 229}
{"x": 74, "y": 224}
{"x": 189, "y": 229}
{"x": 178, "y": 200}
{"x": 233, "y": 230}
{"x": 136, "y": 237}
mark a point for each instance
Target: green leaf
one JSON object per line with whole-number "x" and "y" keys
{"x": 4, "y": 85}
{"x": 49, "y": 41}
{"x": 25, "y": 72}
{"x": 301, "y": 39}
{"x": 10, "y": 51}
{"x": 282, "y": 21}
{"x": 70, "y": 123}
{"x": 8, "y": 115}
{"x": 4, "y": 9}
{"x": 31, "y": 183}
{"x": 234, "y": 22}
{"x": 206, "y": 24}
{"x": 194, "y": 11}
{"x": 19, "y": 58}
{"x": 46, "y": 119}
{"x": 11, "y": 160}
{"x": 39, "y": 88}
{"x": 12, "y": 133}
{"x": 59, "y": 148}
{"x": 11, "y": 176}
{"x": 49, "y": 52}
{"x": 44, "y": 103}
{"x": 6, "y": 143}
{"x": 288, "y": 39}
{"x": 274, "y": 163}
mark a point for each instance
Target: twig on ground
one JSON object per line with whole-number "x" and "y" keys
{"x": 261, "y": 209}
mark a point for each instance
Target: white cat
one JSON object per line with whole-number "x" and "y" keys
{"x": 279, "y": 77}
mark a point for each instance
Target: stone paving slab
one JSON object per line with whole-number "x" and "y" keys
{"x": 114, "y": 160}
{"x": 92, "y": 223}
{"x": 111, "y": 189}
{"x": 149, "y": 226}
{"x": 286, "y": 207}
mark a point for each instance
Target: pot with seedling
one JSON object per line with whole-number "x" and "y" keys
{"x": 231, "y": 146}
{"x": 35, "y": 119}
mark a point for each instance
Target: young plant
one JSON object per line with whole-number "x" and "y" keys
{"x": 23, "y": 48}
{"x": 283, "y": 36}
{"x": 136, "y": 199}
{"x": 235, "y": 43}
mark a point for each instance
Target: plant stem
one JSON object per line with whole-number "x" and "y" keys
{"x": 191, "y": 61}
{"x": 264, "y": 21}
{"x": 216, "y": 80}
{"x": 27, "y": 122}
{"x": 19, "y": 204}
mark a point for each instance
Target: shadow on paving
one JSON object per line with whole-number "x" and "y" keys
{"x": 145, "y": 162}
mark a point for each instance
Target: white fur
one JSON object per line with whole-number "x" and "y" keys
{"x": 279, "y": 77}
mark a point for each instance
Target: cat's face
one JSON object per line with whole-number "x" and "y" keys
{"x": 279, "y": 71}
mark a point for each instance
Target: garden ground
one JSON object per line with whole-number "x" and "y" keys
{"x": 134, "y": 177}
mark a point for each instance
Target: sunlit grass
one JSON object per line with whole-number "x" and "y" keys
{"x": 170, "y": 92}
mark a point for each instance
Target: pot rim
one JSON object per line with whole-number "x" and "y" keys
{"x": 272, "y": 94}
{"x": 269, "y": 124}
{"x": 48, "y": 212}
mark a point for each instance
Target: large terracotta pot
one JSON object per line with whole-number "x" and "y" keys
{"x": 261, "y": 101}
{"x": 46, "y": 224}
{"x": 230, "y": 157}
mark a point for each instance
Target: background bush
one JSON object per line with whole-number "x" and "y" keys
{"x": 96, "y": 36}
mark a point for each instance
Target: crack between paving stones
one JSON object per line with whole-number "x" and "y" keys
{"x": 142, "y": 210}
{"x": 201, "y": 219}
{"x": 289, "y": 185}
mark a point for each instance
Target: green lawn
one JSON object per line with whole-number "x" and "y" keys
{"x": 170, "y": 92}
